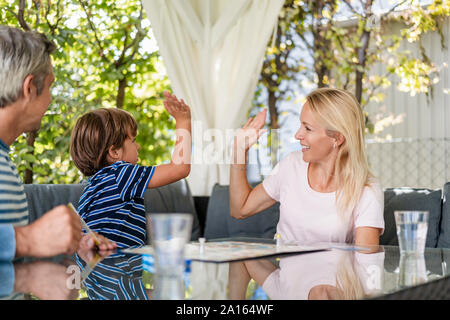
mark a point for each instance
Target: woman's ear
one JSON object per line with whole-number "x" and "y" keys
{"x": 340, "y": 139}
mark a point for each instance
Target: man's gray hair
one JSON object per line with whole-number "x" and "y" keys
{"x": 22, "y": 53}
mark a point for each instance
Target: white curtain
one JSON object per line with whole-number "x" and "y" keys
{"x": 213, "y": 52}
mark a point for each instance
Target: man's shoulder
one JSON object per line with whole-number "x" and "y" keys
{"x": 12, "y": 194}
{"x": 7, "y": 167}
{"x": 4, "y": 156}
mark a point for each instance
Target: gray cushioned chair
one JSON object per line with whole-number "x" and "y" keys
{"x": 44, "y": 197}
{"x": 412, "y": 199}
{"x": 173, "y": 198}
{"x": 219, "y": 223}
{"x": 444, "y": 234}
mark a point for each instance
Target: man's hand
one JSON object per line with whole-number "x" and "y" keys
{"x": 56, "y": 232}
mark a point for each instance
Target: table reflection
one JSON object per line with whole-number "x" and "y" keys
{"x": 328, "y": 275}
{"x": 45, "y": 280}
{"x": 168, "y": 287}
{"x": 334, "y": 274}
{"x": 115, "y": 277}
{"x": 412, "y": 270}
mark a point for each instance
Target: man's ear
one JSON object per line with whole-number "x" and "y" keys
{"x": 29, "y": 89}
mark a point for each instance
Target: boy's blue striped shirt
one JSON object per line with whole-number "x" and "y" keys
{"x": 112, "y": 204}
{"x": 13, "y": 202}
{"x": 117, "y": 277}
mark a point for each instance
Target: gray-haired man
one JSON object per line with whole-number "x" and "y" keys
{"x": 26, "y": 77}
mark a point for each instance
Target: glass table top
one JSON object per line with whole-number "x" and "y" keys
{"x": 343, "y": 273}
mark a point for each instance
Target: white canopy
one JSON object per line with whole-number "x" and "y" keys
{"x": 213, "y": 51}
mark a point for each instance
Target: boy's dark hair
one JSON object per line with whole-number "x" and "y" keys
{"x": 95, "y": 132}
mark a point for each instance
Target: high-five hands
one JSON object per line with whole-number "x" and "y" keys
{"x": 249, "y": 134}
{"x": 176, "y": 108}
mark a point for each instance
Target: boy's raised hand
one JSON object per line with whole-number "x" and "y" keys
{"x": 180, "y": 164}
{"x": 177, "y": 109}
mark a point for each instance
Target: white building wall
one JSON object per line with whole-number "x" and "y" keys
{"x": 416, "y": 151}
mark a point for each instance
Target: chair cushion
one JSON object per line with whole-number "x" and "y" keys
{"x": 216, "y": 225}
{"x": 173, "y": 198}
{"x": 44, "y": 197}
{"x": 444, "y": 234}
{"x": 411, "y": 199}
{"x": 220, "y": 224}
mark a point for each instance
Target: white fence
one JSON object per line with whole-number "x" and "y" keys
{"x": 411, "y": 162}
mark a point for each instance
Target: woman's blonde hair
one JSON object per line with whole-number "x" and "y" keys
{"x": 338, "y": 111}
{"x": 348, "y": 283}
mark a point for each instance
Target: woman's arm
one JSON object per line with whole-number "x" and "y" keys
{"x": 245, "y": 201}
{"x": 367, "y": 236}
{"x": 238, "y": 279}
{"x": 259, "y": 270}
{"x": 241, "y": 272}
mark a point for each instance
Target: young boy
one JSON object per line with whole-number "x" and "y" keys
{"x": 104, "y": 147}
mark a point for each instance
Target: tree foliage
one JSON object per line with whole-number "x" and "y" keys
{"x": 104, "y": 59}
{"x": 339, "y": 42}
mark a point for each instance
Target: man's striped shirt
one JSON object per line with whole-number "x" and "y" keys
{"x": 112, "y": 204}
{"x": 13, "y": 202}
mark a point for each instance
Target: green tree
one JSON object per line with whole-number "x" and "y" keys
{"x": 103, "y": 60}
{"x": 367, "y": 40}
{"x": 341, "y": 42}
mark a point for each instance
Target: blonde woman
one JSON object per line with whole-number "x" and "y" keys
{"x": 326, "y": 191}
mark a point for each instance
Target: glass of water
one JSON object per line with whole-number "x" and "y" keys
{"x": 412, "y": 227}
{"x": 169, "y": 232}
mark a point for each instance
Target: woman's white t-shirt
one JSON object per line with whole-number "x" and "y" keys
{"x": 308, "y": 216}
{"x": 297, "y": 275}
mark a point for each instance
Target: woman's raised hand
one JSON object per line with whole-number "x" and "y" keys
{"x": 250, "y": 132}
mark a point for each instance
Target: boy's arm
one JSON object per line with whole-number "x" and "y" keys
{"x": 180, "y": 164}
